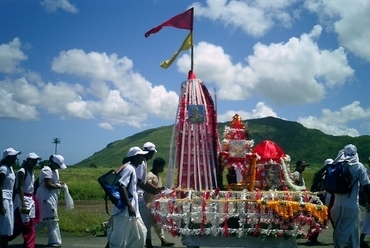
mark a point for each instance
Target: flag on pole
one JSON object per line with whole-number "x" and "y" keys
{"x": 182, "y": 21}
{"x": 187, "y": 44}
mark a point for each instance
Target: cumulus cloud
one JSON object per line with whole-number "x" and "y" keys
{"x": 133, "y": 97}
{"x": 253, "y": 17}
{"x": 349, "y": 19}
{"x": 274, "y": 70}
{"x": 336, "y": 122}
{"x": 260, "y": 111}
{"x": 54, "y": 5}
{"x": 106, "y": 126}
{"x": 11, "y": 56}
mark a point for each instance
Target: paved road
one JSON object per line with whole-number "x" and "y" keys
{"x": 96, "y": 241}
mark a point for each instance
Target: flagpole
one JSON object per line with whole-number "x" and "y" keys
{"x": 192, "y": 39}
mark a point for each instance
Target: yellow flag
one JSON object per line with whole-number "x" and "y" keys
{"x": 187, "y": 44}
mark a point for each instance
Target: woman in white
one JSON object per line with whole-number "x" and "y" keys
{"x": 47, "y": 196}
{"x": 26, "y": 209}
{"x": 127, "y": 229}
{"x": 7, "y": 178}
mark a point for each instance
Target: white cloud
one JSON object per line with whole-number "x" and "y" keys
{"x": 106, "y": 126}
{"x": 295, "y": 72}
{"x": 11, "y": 56}
{"x": 349, "y": 19}
{"x": 10, "y": 109}
{"x": 335, "y": 122}
{"x": 54, "y": 5}
{"x": 113, "y": 81}
{"x": 260, "y": 111}
{"x": 253, "y": 17}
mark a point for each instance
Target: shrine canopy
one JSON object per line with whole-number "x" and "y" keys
{"x": 268, "y": 150}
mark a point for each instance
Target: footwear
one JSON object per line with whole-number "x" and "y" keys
{"x": 54, "y": 245}
{"x": 166, "y": 243}
{"x": 313, "y": 243}
{"x": 148, "y": 243}
{"x": 364, "y": 245}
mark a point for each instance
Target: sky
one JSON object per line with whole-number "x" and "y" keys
{"x": 83, "y": 71}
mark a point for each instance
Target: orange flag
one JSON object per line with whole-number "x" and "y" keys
{"x": 182, "y": 21}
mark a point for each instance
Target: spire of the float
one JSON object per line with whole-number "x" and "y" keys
{"x": 191, "y": 75}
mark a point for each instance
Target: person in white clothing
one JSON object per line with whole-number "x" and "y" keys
{"x": 154, "y": 179}
{"x": 345, "y": 213}
{"x": 127, "y": 229}
{"x": 26, "y": 208}
{"x": 141, "y": 173}
{"x": 7, "y": 178}
{"x": 47, "y": 197}
{"x": 366, "y": 221}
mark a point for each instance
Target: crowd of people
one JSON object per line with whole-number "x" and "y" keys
{"x": 131, "y": 226}
{"x": 24, "y": 211}
{"x": 344, "y": 211}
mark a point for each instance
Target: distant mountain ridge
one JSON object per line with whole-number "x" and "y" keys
{"x": 299, "y": 142}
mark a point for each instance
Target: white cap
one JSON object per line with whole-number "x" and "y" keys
{"x": 135, "y": 151}
{"x": 33, "y": 155}
{"x": 328, "y": 161}
{"x": 149, "y": 146}
{"x": 10, "y": 152}
{"x": 59, "y": 160}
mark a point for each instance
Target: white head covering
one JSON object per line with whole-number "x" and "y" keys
{"x": 349, "y": 153}
{"x": 328, "y": 161}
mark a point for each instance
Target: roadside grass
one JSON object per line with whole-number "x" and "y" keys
{"x": 89, "y": 205}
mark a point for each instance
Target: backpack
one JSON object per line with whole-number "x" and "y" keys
{"x": 338, "y": 178}
{"x": 110, "y": 185}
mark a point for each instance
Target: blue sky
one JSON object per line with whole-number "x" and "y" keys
{"x": 83, "y": 71}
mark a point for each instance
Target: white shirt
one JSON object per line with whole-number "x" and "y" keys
{"x": 132, "y": 188}
{"x": 8, "y": 182}
{"x": 141, "y": 172}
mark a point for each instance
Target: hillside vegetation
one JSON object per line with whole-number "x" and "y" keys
{"x": 297, "y": 141}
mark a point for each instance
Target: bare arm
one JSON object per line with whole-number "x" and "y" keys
{"x": 21, "y": 178}
{"x": 50, "y": 185}
{"x": 124, "y": 193}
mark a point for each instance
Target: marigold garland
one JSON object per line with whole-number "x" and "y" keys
{"x": 259, "y": 213}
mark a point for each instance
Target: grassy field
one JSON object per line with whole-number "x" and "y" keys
{"x": 89, "y": 211}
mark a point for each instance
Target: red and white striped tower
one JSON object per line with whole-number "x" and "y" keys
{"x": 194, "y": 144}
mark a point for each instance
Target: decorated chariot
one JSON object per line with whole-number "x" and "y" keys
{"x": 230, "y": 193}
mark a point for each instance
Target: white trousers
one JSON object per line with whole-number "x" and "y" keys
{"x": 346, "y": 226}
{"x": 146, "y": 216}
{"x": 53, "y": 231}
{"x": 126, "y": 232}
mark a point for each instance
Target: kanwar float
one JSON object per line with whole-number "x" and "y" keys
{"x": 229, "y": 192}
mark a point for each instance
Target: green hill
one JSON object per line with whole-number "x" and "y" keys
{"x": 297, "y": 141}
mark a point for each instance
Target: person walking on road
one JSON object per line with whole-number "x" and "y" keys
{"x": 26, "y": 208}
{"x": 345, "y": 212}
{"x": 7, "y": 178}
{"x": 141, "y": 173}
{"x": 366, "y": 221}
{"x": 127, "y": 228}
{"x": 47, "y": 197}
{"x": 154, "y": 179}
